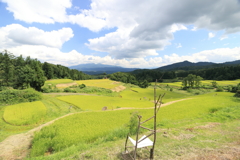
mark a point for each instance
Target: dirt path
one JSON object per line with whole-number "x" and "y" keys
{"x": 17, "y": 146}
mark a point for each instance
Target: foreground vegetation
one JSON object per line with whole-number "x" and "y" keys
{"x": 55, "y": 139}
{"x": 25, "y": 113}
{"x": 192, "y": 125}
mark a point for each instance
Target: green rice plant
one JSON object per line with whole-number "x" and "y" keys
{"x": 58, "y": 81}
{"x": 79, "y": 128}
{"x": 147, "y": 94}
{"x": 25, "y": 113}
{"x": 221, "y": 83}
{"x": 87, "y": 102}
{"x": 102, "y": 83}
{"x": 89, "y": 127}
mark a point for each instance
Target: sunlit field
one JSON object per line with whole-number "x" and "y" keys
{"x": 88, "y": 127}
{"x": 222, "y": 83}
{"x": 148, "y": 94}
{"x": 96, "y": 103}
{"x": 25, "y": 113}
{"x": 58, "y": 81}
{"x": 103, "y": 83}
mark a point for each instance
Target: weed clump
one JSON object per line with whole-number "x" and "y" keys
{"x": 13, "y": 96}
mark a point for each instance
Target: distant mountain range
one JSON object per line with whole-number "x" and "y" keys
{"x": 186, "y": 65}
{"x": 92, "y": 68}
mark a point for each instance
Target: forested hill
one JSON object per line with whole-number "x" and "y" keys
{"x": 92, "y": 68}
{"x": 20, "y": 73}
{"x": 186, "y": 65}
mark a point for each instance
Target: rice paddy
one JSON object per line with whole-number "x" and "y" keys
{"x": 92, "y": 125}
{"x": 102, "y": 83}
{"x": 96, "y": 103}
{"x": 25, "y": 113}
{"x": 58, "y": 81}
{"x": 87, "y": 127}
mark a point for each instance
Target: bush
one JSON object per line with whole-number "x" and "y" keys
{"x": 81, "y": 86}
{"x": 237, "y": 94}
{"x": 219, "y": 89}
{"x": 14, "y": 96}
{"x": 67, "y": 90}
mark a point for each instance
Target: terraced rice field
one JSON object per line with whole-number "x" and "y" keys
{"x": 25, "y": 113}
{"x": 102, "y": 83}
{"x": 96, "y": 103}
{"x": 87, "y": 127}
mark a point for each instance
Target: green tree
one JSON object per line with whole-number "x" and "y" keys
{"x": 191, "y": 81}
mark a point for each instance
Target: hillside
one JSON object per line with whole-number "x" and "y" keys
{"x": 92, "y": 68}
{"x": 186, "y": 65}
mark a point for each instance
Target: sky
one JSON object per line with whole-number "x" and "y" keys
{"x": 126, "y": 33}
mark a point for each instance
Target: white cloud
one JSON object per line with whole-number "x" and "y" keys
{"x": 152, "y": 23}
{"x": 179, "y": 45}
{"x": 44, "y": 11}
{"x": 142, "y": 27}
{"x": 216, "y": 55}
{"x": 74, "y": 58}
{"x": 211, "y": 35}
{"x": 15, "y": 35}
{"x": 223, "y": 37}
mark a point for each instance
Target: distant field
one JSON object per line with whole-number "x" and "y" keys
{"x": 206, "y": 82}
{"x": 25, "y": 113}
{"x": 58, "y": 81}
{"x": 148, "y": 94}
{"x": 87, "y": 127}
{"x": 103, "y": 83}
{"x": 222, "y": 83}
{"x": 98, "y": 102}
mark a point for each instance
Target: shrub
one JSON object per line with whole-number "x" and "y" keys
{"x": 219, "y": 89}
{"x": 81, "y": 86}
{"x": 17, "y": 96}
{"x": 237, "y": 94}
{"x": 67, "y": 90}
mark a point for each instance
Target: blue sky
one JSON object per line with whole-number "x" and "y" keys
{"x": 136, "y": 33}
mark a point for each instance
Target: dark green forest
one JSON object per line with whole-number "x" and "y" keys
{"x": 22, "y": 73}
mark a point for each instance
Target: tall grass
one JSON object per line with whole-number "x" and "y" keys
{"x": 148, "y": 94}
{"x": 86, "y": 102}
{"x": 88, "y": 127}
{"x": 102, "y": 83}
{"x": 13, "y": 96}
{"x": 25, "y": 113}
{"x": 58, "y": 81}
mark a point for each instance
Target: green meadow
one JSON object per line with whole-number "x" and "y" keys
{"x": 58, "y": 81}
{"x": 25, "y": 113}
{"x": 90, "y": 133}
{"x": 102, "y": 83}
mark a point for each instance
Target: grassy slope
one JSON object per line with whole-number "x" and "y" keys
{"x": 113, "y": 149}
{"x": 174, "y": 116}
{"x": 55, "y": 109}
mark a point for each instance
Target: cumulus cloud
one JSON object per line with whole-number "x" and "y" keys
{"x": 179, "y": 45}
{"x": 44, "y": 11}
{"x": 217, "y": 55}
{"x": 142, "y": 27}
{"x": 15, "y": 34}
{"x": 211, "y": 35}
{"x": 73, "y": 57}
{"x": 152, "y": 28}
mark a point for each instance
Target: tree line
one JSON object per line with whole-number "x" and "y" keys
{"x": 219, "y": 73}
{"x": 21, "y": 73}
